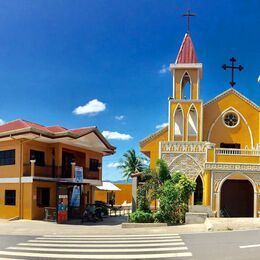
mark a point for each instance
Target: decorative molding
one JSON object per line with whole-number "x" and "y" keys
{"x": 191, "y": 164}
{"x": 220, "y": 177}
{"x": 185, "y": 147}
{"x": 234, "y": 167}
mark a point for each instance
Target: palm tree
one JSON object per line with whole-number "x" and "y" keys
{"x": 131, "y": 163}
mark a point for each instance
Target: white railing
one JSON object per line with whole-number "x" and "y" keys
{"x": 182, "y": 147}
{"x": 241, "y": 152}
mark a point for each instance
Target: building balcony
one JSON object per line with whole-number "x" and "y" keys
{"x": 228, "y": 155}
{"x": 58, "y": 172}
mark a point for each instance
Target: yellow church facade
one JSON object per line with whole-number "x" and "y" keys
{"x": 216, "y": 144}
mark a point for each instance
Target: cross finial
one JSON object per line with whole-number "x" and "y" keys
{"x": 232, "y": 67}
{"x": 188, "y": 14}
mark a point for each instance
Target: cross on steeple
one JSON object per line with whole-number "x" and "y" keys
{"x": 232, "y": 67}
{"x": 188, "y": 14}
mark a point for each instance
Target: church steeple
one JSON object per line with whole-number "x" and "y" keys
{"x": 185, "y": 108}
{"x": 187, "y": 52}
{"x": 186, "y": 69}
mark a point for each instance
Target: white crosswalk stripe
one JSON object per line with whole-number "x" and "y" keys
{"x": 157, "y": 246}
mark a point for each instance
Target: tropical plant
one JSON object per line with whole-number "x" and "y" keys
{"x": 174, "y": 198}
{"x": 163, "y": 171}
{"x": 131, "y": 163}
{"x": 141, "y": 217}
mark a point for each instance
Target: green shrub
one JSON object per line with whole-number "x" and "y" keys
{"x": 141, "y": 217}
{"x": 174, "y": 198}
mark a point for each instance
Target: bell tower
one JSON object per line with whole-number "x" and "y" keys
{"x": 185, "y": 106}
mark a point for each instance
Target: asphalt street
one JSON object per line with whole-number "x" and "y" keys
{"x": 214, "y": 245}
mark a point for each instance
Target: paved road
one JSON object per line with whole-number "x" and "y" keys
{"x": 147, "y": 246}
{"x": 219, "y": 245}
{"x": 242, "y": 245}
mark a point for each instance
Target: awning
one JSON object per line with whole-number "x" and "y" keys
{"x": 108, "y": 186}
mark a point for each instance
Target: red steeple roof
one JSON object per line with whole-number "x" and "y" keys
{"x": 187, "y": 52}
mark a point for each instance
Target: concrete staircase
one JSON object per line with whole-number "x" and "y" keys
{"x": 198, "y": 214}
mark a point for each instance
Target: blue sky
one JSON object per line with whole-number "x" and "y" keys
{"x": 57, "y": 55}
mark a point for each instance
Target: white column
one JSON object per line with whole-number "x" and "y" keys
{"x": 255, "y": 204}
{"x": 218, "y": 203}
{"x": 211, "y": 190}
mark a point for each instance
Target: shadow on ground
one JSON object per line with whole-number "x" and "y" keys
{"x": 107, "y": 221}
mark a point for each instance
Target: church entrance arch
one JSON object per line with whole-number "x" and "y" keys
{"x": 237, "y": 197}
{"x": 198, "y": 193}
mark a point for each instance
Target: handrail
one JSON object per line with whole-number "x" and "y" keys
{"x": 242, "y": 152}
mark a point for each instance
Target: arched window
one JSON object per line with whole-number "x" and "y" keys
{"x": 198, "y": 194}
{"x": 186, "y": 87}
{"x": 178, "y": 123}
{"x": 192, "y": 122}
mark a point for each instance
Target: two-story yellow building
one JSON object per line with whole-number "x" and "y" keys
{"x": 49, "y": 167}
{"x": 217, "y": 143}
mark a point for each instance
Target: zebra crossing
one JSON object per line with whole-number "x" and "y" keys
{"x": 149, "y": 246}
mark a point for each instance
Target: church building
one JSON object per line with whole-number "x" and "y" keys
{"x": 216, "y": 144}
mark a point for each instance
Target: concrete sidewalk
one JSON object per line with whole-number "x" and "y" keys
{"x": 222, "y": 224}
{"x": 112, "y": 226}
{"x": 37, "y": 228}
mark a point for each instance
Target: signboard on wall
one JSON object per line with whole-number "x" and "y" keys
{"x": 78, "y": 174}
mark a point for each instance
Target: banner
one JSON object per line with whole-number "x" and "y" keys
{"x": 75, "y": 197}
{"x": 78, "y": 174}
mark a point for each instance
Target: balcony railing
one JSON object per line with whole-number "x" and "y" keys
{"x": 49, "y": 171}
{"x": 242, "y": 152}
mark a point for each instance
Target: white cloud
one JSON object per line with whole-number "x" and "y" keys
{"x": 258, "y": 80}
{"x": 121, "y": 117}
{"x": 161, "y": 125}
{"x": 92, "y": 107}
{"x": 2, "y": 121}
{"x": 116, "y": 135}
{"x": 164, "y": 69}
{"x": 113, "y": 165}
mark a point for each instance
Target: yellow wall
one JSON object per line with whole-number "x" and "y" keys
{"x": 241, "y": 133}
{"x": 152, "y": 147}
{"x": 9, "y": 211}
{"x": 8, "y": 171}
{"x": 38, "y": 212}
{"x": 125, "y": 194}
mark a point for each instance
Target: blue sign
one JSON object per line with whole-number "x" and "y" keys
{"x": 78, "y": 174}
{"x": 75, "y": 197}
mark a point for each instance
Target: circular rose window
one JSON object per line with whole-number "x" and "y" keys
{"x": 231, "y": 119}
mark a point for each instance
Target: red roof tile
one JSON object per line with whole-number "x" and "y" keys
{"x": 187, "y": 52}
{"x": 56, "y": 128}
{"x": 52, "y": 131}
{"x": 83, "y": 130}
{"x": 20, "y": 124}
